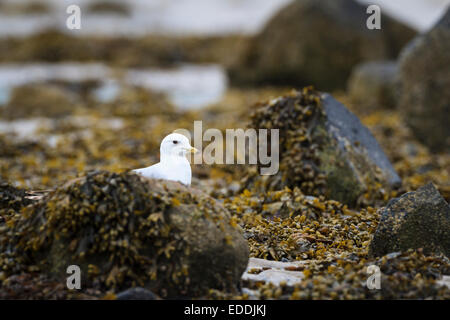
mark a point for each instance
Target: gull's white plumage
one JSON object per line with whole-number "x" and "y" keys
{"x": 173, "y": 164}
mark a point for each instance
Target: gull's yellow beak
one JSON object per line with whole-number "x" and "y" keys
{"x": 192, "y": 150}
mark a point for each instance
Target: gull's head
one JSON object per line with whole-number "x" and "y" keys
{"x": 176, "y": 144}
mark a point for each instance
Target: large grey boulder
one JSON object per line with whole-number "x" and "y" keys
{"x": 373, "y": 85}
{"x": 317, "y": 42}
{"x": 424, "y": 72}
{"x": 419, "y": 219}
{"x": 324, "y": 150}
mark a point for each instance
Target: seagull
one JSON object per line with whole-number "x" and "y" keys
{"x": 173, "y": 164}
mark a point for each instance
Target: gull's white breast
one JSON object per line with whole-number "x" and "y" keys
{"x": 172, "y": 168}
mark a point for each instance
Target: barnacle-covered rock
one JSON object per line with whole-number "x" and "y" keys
{"x": 124, "y": 230}
{"x": 373, "y": 85}
{"x": 324, "y": 150}
{"x": 419, "y": 219}
{"x": 317, "y": 42}
{"x": 424, "y": 69}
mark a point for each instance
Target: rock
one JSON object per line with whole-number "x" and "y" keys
{"x": 124, "y": 230}
{"x": 316, "y": 42}
{"x": 324, "y": 150}
{"x": 108, "y": 7}
{"x": 38, "y": 100}
{"x": 136, "y": 294}
{"x": 373, "y": 85}
{"x": 419, "y": 219}
{"x": 424, "y": 69}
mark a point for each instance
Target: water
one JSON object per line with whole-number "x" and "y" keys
{"x": 187, "y": 86}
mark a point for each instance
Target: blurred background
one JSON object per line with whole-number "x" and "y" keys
{"x": 103, "y": 96}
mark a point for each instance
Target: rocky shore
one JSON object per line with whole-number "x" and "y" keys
{"x": 363, "y": 180}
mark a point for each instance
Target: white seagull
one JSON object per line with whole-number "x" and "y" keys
{"x": 173, "y": 164}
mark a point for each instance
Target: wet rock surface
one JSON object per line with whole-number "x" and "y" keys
{"x": 316, "y": 43}
{"x": 324, "y": 149}
{"x": 374, "y": 84}
{"x": 123, "y": 230}
{"x": 419, "y": 219}
{"x": 424, "y": 68}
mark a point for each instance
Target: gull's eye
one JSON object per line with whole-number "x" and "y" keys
{"x": 175, "y": 141}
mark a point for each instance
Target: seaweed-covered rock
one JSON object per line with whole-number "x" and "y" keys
{"x": 424, "y": 72}
{"x": 39, "y": 100}
{"x": 125, "y": 231}
{"x": 419, "y": 219}
{"x": 36, "y": 7}
{"x": 317, "y": 42}
{"x": 373, "y": 84}
{"x": 324, "y": 150}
